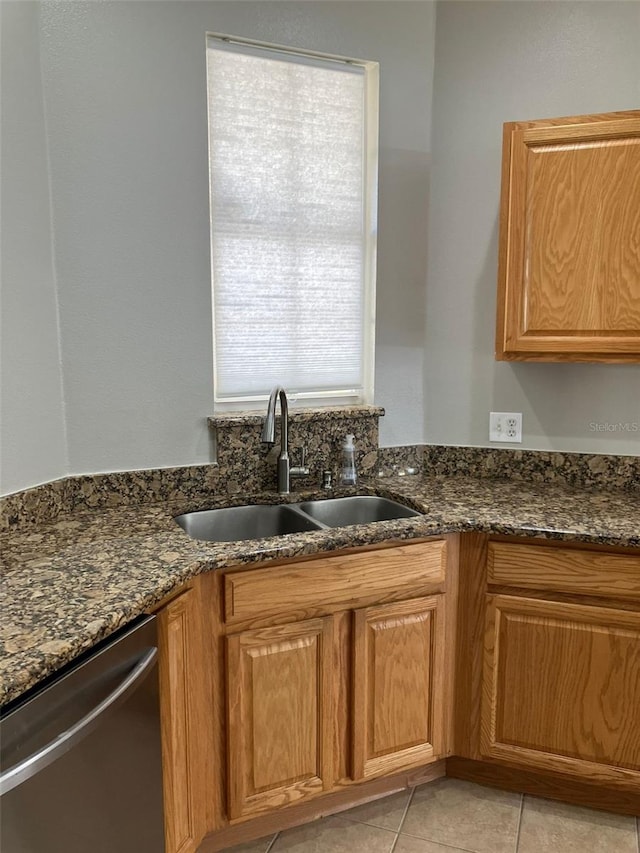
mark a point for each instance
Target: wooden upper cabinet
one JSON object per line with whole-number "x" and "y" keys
{"x": 569, "y": 263}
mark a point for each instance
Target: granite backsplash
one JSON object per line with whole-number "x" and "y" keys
{"x": 244, "y": 466}
{"x": 576, "y": 470}
{"x": 250, "y": 466}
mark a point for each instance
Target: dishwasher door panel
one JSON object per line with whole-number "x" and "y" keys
{"x": 103, "y": 791}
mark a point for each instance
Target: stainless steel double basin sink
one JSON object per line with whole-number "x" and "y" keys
{"x": 234, "y": 524}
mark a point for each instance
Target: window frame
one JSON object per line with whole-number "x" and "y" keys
{"x": 345, "y": 397}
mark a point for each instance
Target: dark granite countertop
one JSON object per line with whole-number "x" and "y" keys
{"x": 68, "y": 584}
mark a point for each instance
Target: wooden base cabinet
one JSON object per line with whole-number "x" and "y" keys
{"x": 293, "y": 690}
{"x": 548, "y": 670}
{"x": 337, "y": 679}
{"x": 562, "y": 687}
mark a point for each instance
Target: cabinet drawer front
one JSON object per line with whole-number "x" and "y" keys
{"x": 333, "y": 583}
{"x": 564, "y": 570}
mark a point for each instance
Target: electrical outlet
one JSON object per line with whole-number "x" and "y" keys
{"x": 505, "y": 426}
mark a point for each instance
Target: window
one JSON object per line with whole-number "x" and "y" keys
{"x": 293, "y": 188}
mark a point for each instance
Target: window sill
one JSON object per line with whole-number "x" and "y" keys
{"x": 326, "y": 413}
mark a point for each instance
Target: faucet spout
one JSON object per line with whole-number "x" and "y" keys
{"x": 285, "y": 471}
{"x": 269, "y": 427}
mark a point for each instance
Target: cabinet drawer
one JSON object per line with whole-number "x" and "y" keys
{"x": 564, "y": 570}
{"x": 333, "y": 583}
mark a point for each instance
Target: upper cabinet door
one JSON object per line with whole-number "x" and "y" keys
{"x": 569, "y": 266}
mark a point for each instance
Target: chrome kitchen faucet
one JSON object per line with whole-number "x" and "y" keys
{"x": 285, "y": 471}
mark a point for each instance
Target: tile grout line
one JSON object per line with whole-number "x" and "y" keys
{"x": 404, "y": 814}
{"x": 400, "y": 825}
{"x": 419, "y": 837}
{"x": 441, "y": 843}
{"x": 406, "y": 809}
{"x": 515, "y": 849}
{"x": 272, "y": 842}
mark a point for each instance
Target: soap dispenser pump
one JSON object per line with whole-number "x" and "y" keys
{"x": 348, "y": 476}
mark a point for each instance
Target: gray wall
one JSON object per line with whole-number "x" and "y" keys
{"x": 125, "y": 94}
{"x": 497, "y": 62}
{"x": 33, "y": 446}
{"x": 123, "y": 124}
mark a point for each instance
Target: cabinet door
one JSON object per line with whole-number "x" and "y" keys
{"x": 561, "y": 687}
{"x": 398, "y": 686}
{"x": 569, "y": 273}
{"x": 280, "y": 715}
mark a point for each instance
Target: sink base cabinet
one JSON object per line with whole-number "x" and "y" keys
{"x": 331, "y": 678}
{"x": 289, "y": 735}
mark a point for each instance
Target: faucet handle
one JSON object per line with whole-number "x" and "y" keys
{"x": 300, "y": 470}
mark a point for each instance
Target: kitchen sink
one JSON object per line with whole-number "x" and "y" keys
{"x": 235, "y": 523}
{"x": 356, "y": 509}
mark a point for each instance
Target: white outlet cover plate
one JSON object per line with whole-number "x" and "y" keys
{"x": 505, "y": 426}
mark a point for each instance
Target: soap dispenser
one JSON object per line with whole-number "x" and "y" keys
{"x": 348, "y": 475}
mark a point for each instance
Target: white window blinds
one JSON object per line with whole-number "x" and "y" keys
{"x": 293, "y": 166}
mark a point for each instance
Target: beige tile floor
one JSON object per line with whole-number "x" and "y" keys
{"x": 448, "y": 816}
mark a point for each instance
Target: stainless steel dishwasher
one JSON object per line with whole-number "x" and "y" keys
{"x": 80, "y": 762}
